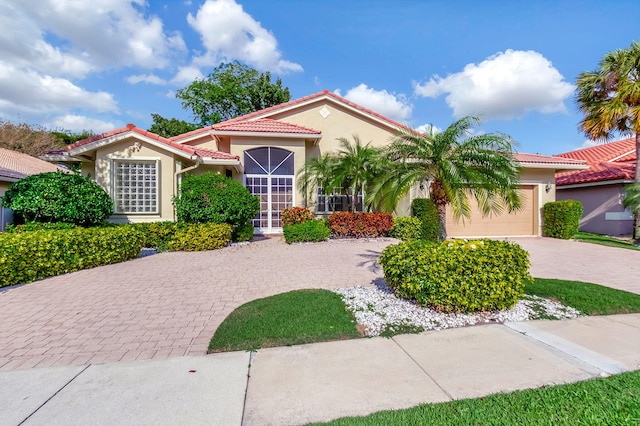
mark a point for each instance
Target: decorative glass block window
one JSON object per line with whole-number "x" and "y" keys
{"x": 135, "y": 186}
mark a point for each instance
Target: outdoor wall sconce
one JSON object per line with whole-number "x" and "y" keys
{"x": 547, "y": 187}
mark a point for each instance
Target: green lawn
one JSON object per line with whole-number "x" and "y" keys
{"x": 605, "y": 240}
{"x": 293, "y": 318}
{"x": 590, "y": 299}
{"x": 611, "y": 401}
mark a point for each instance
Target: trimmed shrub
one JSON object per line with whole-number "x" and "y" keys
{"x": 201, "y": 237}
{"x": 39, "y": 226}
{"x": 309, "y": 231}
{"x": 30, "y": 256}
{"x": 406, "y": 228}
{"x": 211, "y": 197}
{"x": 59, "y": 197}
{"x": 158, "y": 234}
{"x": 360, "y": 225}
{"x": 457, "y": 275}
{"x": 561, "y": 219}
{"x": 427, "y": 212}
{"x": 243, "y": 232}
{"x": 296, "y": 215}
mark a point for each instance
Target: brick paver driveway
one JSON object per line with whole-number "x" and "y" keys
{"x": 164, "y": 305}
{"x": 170, "y": 304}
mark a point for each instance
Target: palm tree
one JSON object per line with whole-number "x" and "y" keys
{"x": 456, "y": 165}
{"x": 610, "y": 100}
{"x": 355, "y": 168}
{"x": 316, "y": 173}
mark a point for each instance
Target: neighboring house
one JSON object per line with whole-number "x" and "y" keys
{"x": 600, "y": 188}
{"x": 13, "y": 167}
{"x": 263, "y": 150}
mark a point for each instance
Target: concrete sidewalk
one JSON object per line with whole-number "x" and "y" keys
{"x": 324, "y": 381}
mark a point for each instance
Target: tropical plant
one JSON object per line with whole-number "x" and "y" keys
{"x": 316, "y": 173}
{"x": 457, "y": 165}
{"x": 632, "y": 197}
{"x": 168, "y": 127}
{"x": 609, "y": 97}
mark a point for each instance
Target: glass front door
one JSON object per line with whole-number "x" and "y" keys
{"x": 269, "y": 174}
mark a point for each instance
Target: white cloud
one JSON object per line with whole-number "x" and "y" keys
{"x": 388, "y": 104}
{"x": 229, "y": 33}
{"x": 428, "y": 128}
{"x": 146, "y": 78}
{"x": 28, "y": 92}
{"x": 506, "y": 85}
{"x": 186, "y": 75}
{"x": 79, "y": 123}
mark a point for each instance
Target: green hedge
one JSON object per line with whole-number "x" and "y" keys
{"x": 561, "y": 219}
{"x": 406, "y": 228}
{"x": 158, "y": 234}
{"x": 201, "y": 237}
{"x": 457, "y": 275}
{"x": 31, "y": 256}
{"x": 427, "y": 212}
{"x": 310, "y": 231}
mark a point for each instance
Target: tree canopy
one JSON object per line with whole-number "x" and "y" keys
{"x": 609, "y": 98}
{"x": 231, "y": 90}
{"x": 168, "y": 127}
{"x": 35, "y": 140}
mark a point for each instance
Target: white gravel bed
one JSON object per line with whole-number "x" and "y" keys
{"x": 378, "y": 309}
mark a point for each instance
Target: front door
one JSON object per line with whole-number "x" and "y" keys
{"x": 269, "y": 174}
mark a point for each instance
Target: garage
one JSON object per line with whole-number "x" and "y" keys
{"x": 521, "y": 223}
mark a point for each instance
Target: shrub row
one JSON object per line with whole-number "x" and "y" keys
{"x": 200, "y": 237}
{"x": 457, "y": 275}
{"x": 30, "y": 256}
{"x": 360, "y": 225}
{"x": 309, "y": 231}
{"x": 406, "y": 228}
{"x": 561, "y": 219}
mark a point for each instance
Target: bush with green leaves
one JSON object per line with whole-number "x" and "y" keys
{"x": 561, "y": 219}
{"x": 157, "y": 234}
{"x": 243, "y": 232}
{"x": 406, "y": 228}
{"x": 201, "y": 237}
{"x": 309, "y": 231}
{"x": 457, "y": 275}
{"x": 59, "y": 197}
{"x": 211, "y": 197}
{"x": 39, "y": 226}
{"x": 34, "y": 255}
{"x": 427, "y": 212}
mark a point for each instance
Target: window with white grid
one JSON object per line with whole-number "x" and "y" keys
{"x": 135, "y": 186}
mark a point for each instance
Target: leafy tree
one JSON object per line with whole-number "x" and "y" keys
{"x": 231, "y": 90}
{"x": 458, "y": 166}
{"x": 609, "y": 98}
{"x": 59, "y": 197}
{"x": 27, "y": 138}
{"x": 168, "y": 127}
{"x": 211, "y": 197}
{"x": 67, "y": 138}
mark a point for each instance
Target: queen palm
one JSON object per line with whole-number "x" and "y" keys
{"x": 457, "y": 167}
{"x": 610, "y": 100}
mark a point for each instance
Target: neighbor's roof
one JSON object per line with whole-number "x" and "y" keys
{"x": 546, "y": 160}
{"x": 607, "y": 162}
{"x": 131, "y": 128}
{"x": 16, "y": 165}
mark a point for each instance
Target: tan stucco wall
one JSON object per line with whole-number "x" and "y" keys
{"x": 167, "y": 168}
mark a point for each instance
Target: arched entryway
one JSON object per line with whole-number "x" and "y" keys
{"x": 269, "y": 174}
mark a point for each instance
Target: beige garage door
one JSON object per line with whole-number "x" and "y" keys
{"x": 506, "y": 224}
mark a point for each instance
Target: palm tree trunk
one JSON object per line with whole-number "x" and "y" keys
{"x": 442, "y": 222}
{"x": 636, "y": 223}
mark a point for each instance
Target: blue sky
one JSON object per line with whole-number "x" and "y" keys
{"x": 98, "y": 65}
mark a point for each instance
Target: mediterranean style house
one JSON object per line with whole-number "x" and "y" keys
{"x": 600, "y": 187}
{"x": 263, "y": 150}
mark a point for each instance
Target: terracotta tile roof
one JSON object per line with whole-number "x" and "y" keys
{"x": 207, "y": 153}
{"x": 16, "y": 165}
{"x": 598, "y": 172}
{"x": 546, "y": 159}
{"x": 619, "y": 151}
{"x": 265, "y": 125}
{"x": 263, "y": 113}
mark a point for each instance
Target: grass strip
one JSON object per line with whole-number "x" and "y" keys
{"x": 604, "y": 240}
{"x": 590, "y": 299}
{"x": 292, "y": 318}
{"x": 609, "y": 401}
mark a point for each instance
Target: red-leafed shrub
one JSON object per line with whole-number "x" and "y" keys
{"x": 296, "y": 215}
{"x": 360, "y": 225}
